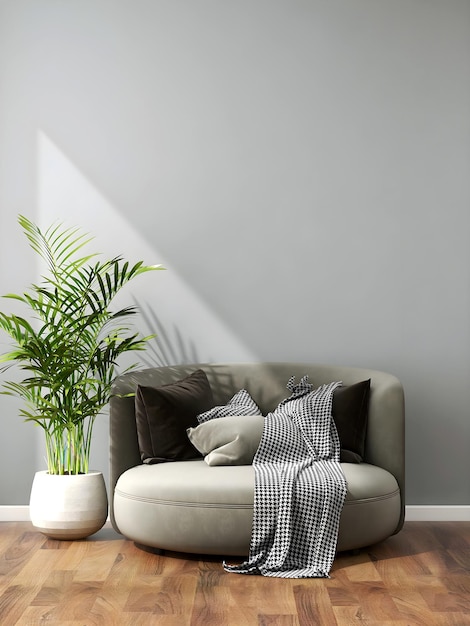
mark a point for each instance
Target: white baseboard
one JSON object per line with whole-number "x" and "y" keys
{"x": 437, "y": 513}
{"x": 14, "y": 513}
{"x": 414, "y": 513}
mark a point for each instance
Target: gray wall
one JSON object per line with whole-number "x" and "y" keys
{"x": 300, "y": 167}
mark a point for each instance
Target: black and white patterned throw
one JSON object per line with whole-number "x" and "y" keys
{"x": 299, "y": 488}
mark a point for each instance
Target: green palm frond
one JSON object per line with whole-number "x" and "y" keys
{"x": 71, "y": 349}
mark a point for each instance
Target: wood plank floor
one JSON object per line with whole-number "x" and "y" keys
{"x": 419, "y": 577}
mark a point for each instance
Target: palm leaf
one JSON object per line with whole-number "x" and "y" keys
{"x": 71, "y": 351}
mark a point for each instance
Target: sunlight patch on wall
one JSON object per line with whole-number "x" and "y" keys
{"x": 169, "y": 306}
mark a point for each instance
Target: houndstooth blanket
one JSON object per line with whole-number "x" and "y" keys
{"x": 299, "y": 488}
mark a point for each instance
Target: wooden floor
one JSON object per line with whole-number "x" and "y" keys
{"x": 420, "y": 576}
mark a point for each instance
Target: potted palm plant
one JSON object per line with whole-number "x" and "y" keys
{"x": 68, "y": 345}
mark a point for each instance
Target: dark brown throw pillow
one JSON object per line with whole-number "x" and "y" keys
{"x": 350, "y": 412}
{"x": 164, "y": 413}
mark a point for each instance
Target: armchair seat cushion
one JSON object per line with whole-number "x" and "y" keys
{"x": 192, "y": 507}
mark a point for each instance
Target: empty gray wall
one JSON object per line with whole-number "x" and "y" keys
{"x": 300, "y": 167}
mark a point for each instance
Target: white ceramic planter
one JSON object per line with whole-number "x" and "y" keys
{"x": 68, "y": 507}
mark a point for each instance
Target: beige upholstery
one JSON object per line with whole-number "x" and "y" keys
{"x": 191, "y": 507}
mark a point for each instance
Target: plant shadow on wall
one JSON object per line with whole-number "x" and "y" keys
{"x": 164, "y": 349}
{"x": 69, "y": 345}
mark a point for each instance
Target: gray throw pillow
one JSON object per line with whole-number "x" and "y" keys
{"x": 231, "y": 440}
